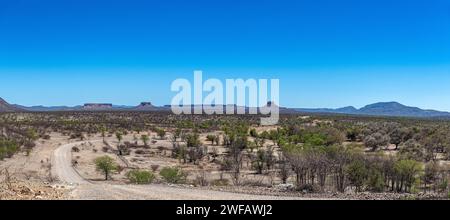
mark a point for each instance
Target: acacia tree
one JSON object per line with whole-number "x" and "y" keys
{"x": 340, "y": 156}
{"x": 397, "y": 136}
{"x": 193, "y": 140}
{"x": 258, "y": 162}
{"x": 435, "y": 143}
{"x": 431, "y": 173}
{"x": 296, "y": 155}
{"x": 284, "y": 168}
{"x": 236, "y": 140}
{"x": 31, "y": 134}
{"x": 103, "y": 132}
{"x": 357, "y": 174}
{"x": 412, "y": 150}
{"x": 270, "y": 159}
{"x": 376, "y": 140}
{"x": 407, "y": 172}
{"x": 145, "y": 139}
{"x": 119, "y": 137}
{"x": 236, "y": 148}
{"x": 105, "y": 165}
{"x": 161, "y": 133}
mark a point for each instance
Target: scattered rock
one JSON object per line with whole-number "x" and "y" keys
{"x": 28, "y": 190}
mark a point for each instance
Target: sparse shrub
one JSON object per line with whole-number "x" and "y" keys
{"x": 211, "y": 138}
{"x": 214, "y": 154}
{"x": 195, "y": 154}
{"x": 7, "y": 149}
{"x": 29, "y": 145}
{"x": 258, "y": 162}
{"x": 161, "y": 133}
{"x": 75, "y": 149}
{"x": 154, "y": 167}
{"x": 201, "y": 179}
{"x": 411, "y": 150}
{"x": 192, "y": 140}
{"x": 376, "y": 140}
{"x": 123, "y": 150}
{"x": 145, "y": 139}
{"x": 119, "y": 136}
{"x": 376, "y": 182}
{"x": 309, "y": 188}
{"x": 140, "y": 176}
{"x": 357, "y": 174}
{"x": 78, "y": 135}
{"x": 407, "y": 172}
{"x": 161, "y": 148}
{"x": 285, "y": 169}
{"x": 220, "y": 182}
{"x": 180, "y": 152}
{"x": 119, "y": 169}
{"x": 173, "y": 175}
{"x": 443, "y": 186}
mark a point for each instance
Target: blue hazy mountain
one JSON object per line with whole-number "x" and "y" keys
{"x": 6, "y": 107}
{"x": 380, "y": 109}
{"x": 376, "y": 109}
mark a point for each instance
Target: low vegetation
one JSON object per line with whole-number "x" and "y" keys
{"x": 140, "y": 176}
{"x": 318, "y": 153}
{"x": 173, "y": 175}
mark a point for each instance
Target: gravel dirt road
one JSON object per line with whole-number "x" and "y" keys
{"x": 85, "y": 190}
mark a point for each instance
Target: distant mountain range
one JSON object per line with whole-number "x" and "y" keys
{"x": 381, "y": 109}
{"x": 378, "y": 109}
{"x": 144, "y": 106}
{"x": 6, "y": 107}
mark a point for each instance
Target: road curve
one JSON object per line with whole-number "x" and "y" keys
{"x": 62, "y": 164}
{"x": 85, "y": 190}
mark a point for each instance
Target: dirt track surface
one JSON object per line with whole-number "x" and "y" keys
{"x": 85, "y": 190}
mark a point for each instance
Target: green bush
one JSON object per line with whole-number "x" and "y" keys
{"x": 105, "y": 165}
{"x": 141, "y": 176}
{"x": 8, "y": 149}
{"x": 357, "y": 174}
{"x": 220, "y": 182}
{"x": 173, "y": 175}
{"x": 376, "y": 181}
{"x": 408, "y": 172}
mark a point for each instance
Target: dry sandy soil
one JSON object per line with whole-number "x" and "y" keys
{"x": 53, "y": 170}
{"x": 71, "y": 175}
{"x": 85, "y": 189}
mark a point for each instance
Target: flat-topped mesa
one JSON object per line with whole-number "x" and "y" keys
{"x": 97, "y": 106}
{"x": 144, "y": 104}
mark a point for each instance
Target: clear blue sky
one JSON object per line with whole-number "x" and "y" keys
{"x": 325, "y": 53}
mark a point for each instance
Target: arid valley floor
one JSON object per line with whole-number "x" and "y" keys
{"x": 160, "y": 156}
